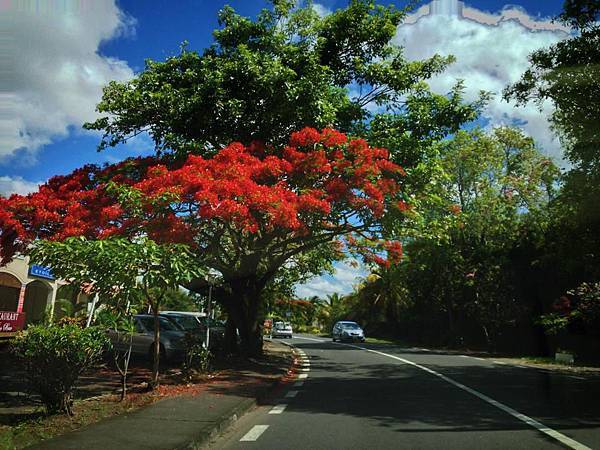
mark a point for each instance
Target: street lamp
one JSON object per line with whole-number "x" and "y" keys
{"x": 210, "y": 279}
{"x": 208, "y": 311}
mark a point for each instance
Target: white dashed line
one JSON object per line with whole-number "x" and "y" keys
{"x": 299, "y": 383}
{"x": 291, "y": 394}
{"x": 278, "y": 409}
{"x": 304, "y": 369}
{"x": 254, "y": 433}
{"x": 303, "y": 376}
{"x": 565, "y": 440}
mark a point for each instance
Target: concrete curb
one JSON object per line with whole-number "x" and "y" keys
{"x": 228, "y": 419}
{"x": 208, "y": 437}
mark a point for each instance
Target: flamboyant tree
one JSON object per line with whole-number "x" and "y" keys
{"x": 247, "y": 212}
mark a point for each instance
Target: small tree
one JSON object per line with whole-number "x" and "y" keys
{"x": 119, "y": 267}
{"x": 54, "y": 357}
{"x": 121, "y": 322}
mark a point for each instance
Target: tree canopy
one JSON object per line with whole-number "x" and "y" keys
{"x": 245, "y": 212}
{"x": 289, "y": 68}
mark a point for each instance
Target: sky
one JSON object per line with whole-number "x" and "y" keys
{"x": 58, "y": 54}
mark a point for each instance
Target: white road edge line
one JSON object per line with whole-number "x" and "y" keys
{"x": 254, "y": 433}
{"x": 571, "y": 443}
{"x": 291, "y": 394}
{"x": 310, "y": 339}
{"x": 472, "y": 357}
{"x": 278, "y": 409}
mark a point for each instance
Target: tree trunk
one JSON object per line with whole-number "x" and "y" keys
{"x": 245, "y": 309}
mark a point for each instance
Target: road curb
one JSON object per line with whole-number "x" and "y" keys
{"x": 208, "y": 437}
{"x": 228, "y": 419}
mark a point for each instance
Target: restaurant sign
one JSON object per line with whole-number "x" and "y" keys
{"x": 11, "y": 321}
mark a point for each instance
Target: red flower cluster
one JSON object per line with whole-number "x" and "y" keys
{"x": 311, "y": 185}
{"x": 383, "y": 253}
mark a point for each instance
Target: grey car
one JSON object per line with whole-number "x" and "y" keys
{"x": 347, "y": 331}
{"x": 195, "y": 324}
{"x": 171, "y": 338}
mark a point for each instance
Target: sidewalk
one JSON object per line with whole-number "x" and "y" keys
{"x": 185, "y": 422}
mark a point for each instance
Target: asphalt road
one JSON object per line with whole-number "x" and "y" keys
{"x": 367, "y": 396}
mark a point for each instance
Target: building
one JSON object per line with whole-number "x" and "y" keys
{"x": 27, "y": 294}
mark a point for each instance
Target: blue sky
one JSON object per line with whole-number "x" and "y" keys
{"x": 65, "y": 54}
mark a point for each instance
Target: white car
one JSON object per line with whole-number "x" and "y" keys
{"x": 347, "y": 331}
{"x": 282, "y": 329}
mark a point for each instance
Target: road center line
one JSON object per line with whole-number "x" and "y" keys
{"x": 571, "y": 443}
{"x": 254, "y": 433}
{"x": 278, "y": 409}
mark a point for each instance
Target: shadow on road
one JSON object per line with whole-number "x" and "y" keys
{"x": 405, "y": 398}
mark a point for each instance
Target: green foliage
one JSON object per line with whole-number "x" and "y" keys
{"x": 480, "y": 196}
{"x": 197, "y": 357}
{"x": 118, "y": 267}
{"x": 567, "y": 75}
{"x": 580, "y": 14}
{"x": 54, "y": 357}
{"x": 581, "y": 307}
{"x": 177, "y": 300}
{"x": 287, "y": 69}
{"x": 553, "y": 323}
{"x": 122, "y": 271}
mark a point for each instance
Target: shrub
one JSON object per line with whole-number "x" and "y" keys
{"x": 54, "y": 357}
{"x": 197, "y": 356}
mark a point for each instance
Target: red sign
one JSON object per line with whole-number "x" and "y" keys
{"x": 11, "y": 321}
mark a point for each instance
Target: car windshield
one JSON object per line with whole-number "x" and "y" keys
{"x": 211, "y": 322}
{"x": 350, "y": 326}
{"x": 165, "y": 324}
{"x": 186, "y": 322}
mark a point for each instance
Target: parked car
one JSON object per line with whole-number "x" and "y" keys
{"x": 196, "y": 323}
{"x": 282, "y": 329}
{"x": 347, "y": 331}
{"x": 188, "y": 321}
{"x": 171, "y": 338}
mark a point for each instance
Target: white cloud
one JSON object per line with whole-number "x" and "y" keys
{"x": 321, "y": 10}
{"x": 491, "y": 52}
{"x": 53, "y": 76}
{"x": 346, "y": 275}
{"x": 17, "y": 185}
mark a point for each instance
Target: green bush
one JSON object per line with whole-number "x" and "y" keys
{"x": 54, "y": 357}
{"x": 197, "y": 356}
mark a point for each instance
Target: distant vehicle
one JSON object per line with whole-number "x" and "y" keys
{"x": 171, "y": 338}
{"x": 282, "y": 329}
{"x": 347, "y": 331}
